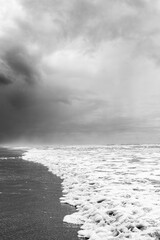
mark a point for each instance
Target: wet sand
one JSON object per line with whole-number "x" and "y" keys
{"x": 29, "y": 202}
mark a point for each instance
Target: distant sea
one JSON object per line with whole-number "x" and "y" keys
{"x": 29, "y": 201}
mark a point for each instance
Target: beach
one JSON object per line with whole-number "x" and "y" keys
{"x": 29, "y": 201}
{"x": 115, "y": 188}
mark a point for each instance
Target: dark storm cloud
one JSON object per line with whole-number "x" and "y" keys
{"x": 29, "y": 112}
{"x": 4, "y": 80}
{"x": 32, "y": 106}
{"x": 18, "y": 60}
{"x": 28, "y": 107}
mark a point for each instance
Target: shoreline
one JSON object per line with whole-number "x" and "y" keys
{"x": 30, "y": 206}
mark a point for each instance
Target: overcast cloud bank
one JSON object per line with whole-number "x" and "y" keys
{"x": 79, "y": 71}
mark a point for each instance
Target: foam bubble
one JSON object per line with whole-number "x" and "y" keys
{"x": 115, "y": 189}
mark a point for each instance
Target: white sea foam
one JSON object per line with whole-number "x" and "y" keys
{"x": 115, "y": 189}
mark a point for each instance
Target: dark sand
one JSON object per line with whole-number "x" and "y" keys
{"x": 29, "y": 202}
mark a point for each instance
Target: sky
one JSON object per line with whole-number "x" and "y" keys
{"x": 79, "y": 71}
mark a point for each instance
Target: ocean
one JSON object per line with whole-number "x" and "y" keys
{"x": 115, "y": 189}
{"x": 29, "y": 201}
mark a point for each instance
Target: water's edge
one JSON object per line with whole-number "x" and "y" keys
{"x": 30, "y": 206}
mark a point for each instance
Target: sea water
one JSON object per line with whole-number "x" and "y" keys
{"x": 115, "y": 188}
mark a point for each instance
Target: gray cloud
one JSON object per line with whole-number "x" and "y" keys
{"x": 19, "y": 62}
{"x": 4, "y": 80}
{"x": 80, "y": 71}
